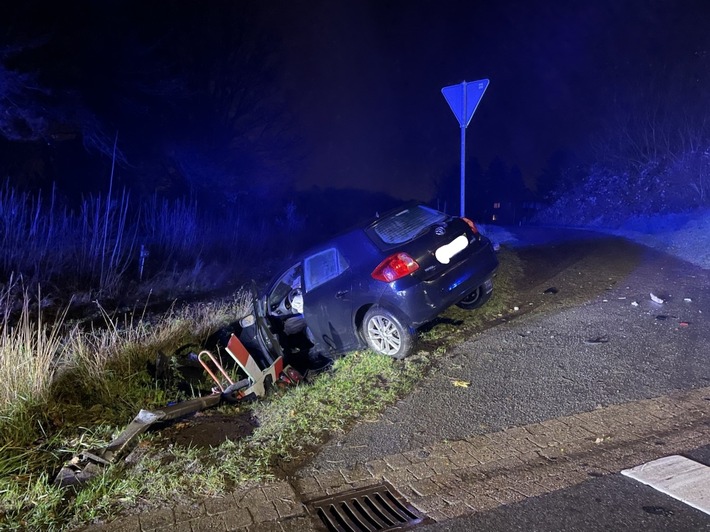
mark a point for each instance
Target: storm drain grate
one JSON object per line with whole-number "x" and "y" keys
{"x": 378, "y": 507}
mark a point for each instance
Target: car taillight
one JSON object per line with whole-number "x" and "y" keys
{"x": 471, "y": 225}
{"x": 395, "y": 267}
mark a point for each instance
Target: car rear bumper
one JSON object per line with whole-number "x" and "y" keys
{"x": 424, "y": 300}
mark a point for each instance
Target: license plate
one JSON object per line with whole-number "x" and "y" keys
{"x": 445, "y": 253}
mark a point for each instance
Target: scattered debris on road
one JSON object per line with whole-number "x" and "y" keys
{"x": 597, "y": 340}
{"x": 656, "y": 299}
{"x": 551, "y": 290}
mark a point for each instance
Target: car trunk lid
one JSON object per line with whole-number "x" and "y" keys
{"x": 436, "y": 241}
{"x": 442, "y": 246}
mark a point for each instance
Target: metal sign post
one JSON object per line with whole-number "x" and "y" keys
{"x": 463, "y": 162}
{"x": 463, "y": 100}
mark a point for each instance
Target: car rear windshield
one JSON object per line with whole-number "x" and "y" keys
{"x": 406, "y": 224}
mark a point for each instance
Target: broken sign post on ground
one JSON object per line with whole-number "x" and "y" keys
{"x": 463, "y": 100}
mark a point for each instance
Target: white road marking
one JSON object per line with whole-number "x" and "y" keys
{"x": 681, "y": 478}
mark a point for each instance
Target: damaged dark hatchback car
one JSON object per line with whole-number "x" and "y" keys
{"x": 373, "y": 286}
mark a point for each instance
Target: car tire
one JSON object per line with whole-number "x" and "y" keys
{"x": 475, "y": 299}
{"x": 385, "y": 334}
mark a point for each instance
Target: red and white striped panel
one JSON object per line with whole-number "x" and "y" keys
{"x": 242, "y": 357}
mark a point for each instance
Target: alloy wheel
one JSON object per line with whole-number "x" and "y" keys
{"x": 384, "y": 334}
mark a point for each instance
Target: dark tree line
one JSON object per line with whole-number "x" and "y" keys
{"x": 187, "y": 89}
{"x": 490, "y": 191}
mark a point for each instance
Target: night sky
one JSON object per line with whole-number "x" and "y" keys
{"x": 347, "y": 93}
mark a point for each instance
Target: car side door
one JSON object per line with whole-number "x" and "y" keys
{"x": 327, "y": 301}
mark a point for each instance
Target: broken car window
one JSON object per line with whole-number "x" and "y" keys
{"x": 290, "y": 280}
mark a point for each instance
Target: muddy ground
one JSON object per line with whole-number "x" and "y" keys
{"x": 209, "y": 429}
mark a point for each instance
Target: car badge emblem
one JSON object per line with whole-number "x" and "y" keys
{"x": 440, "y": 230}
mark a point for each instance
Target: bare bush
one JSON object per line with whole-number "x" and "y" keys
{"x": 689, "y": 177}
{"x": 603, "y": 197}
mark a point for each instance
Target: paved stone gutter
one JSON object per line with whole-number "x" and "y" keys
{"x": 478, "y": 473}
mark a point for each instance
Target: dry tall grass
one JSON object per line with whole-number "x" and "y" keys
{"x": 90, "y": 352}
{"x": 46, "y": 244}
{"x": 96, "y": 249}
{"x": 36, "y": 355}
{"x": 30, "y": 349}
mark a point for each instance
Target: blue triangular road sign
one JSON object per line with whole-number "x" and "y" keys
{"x": 464, "y": 97}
